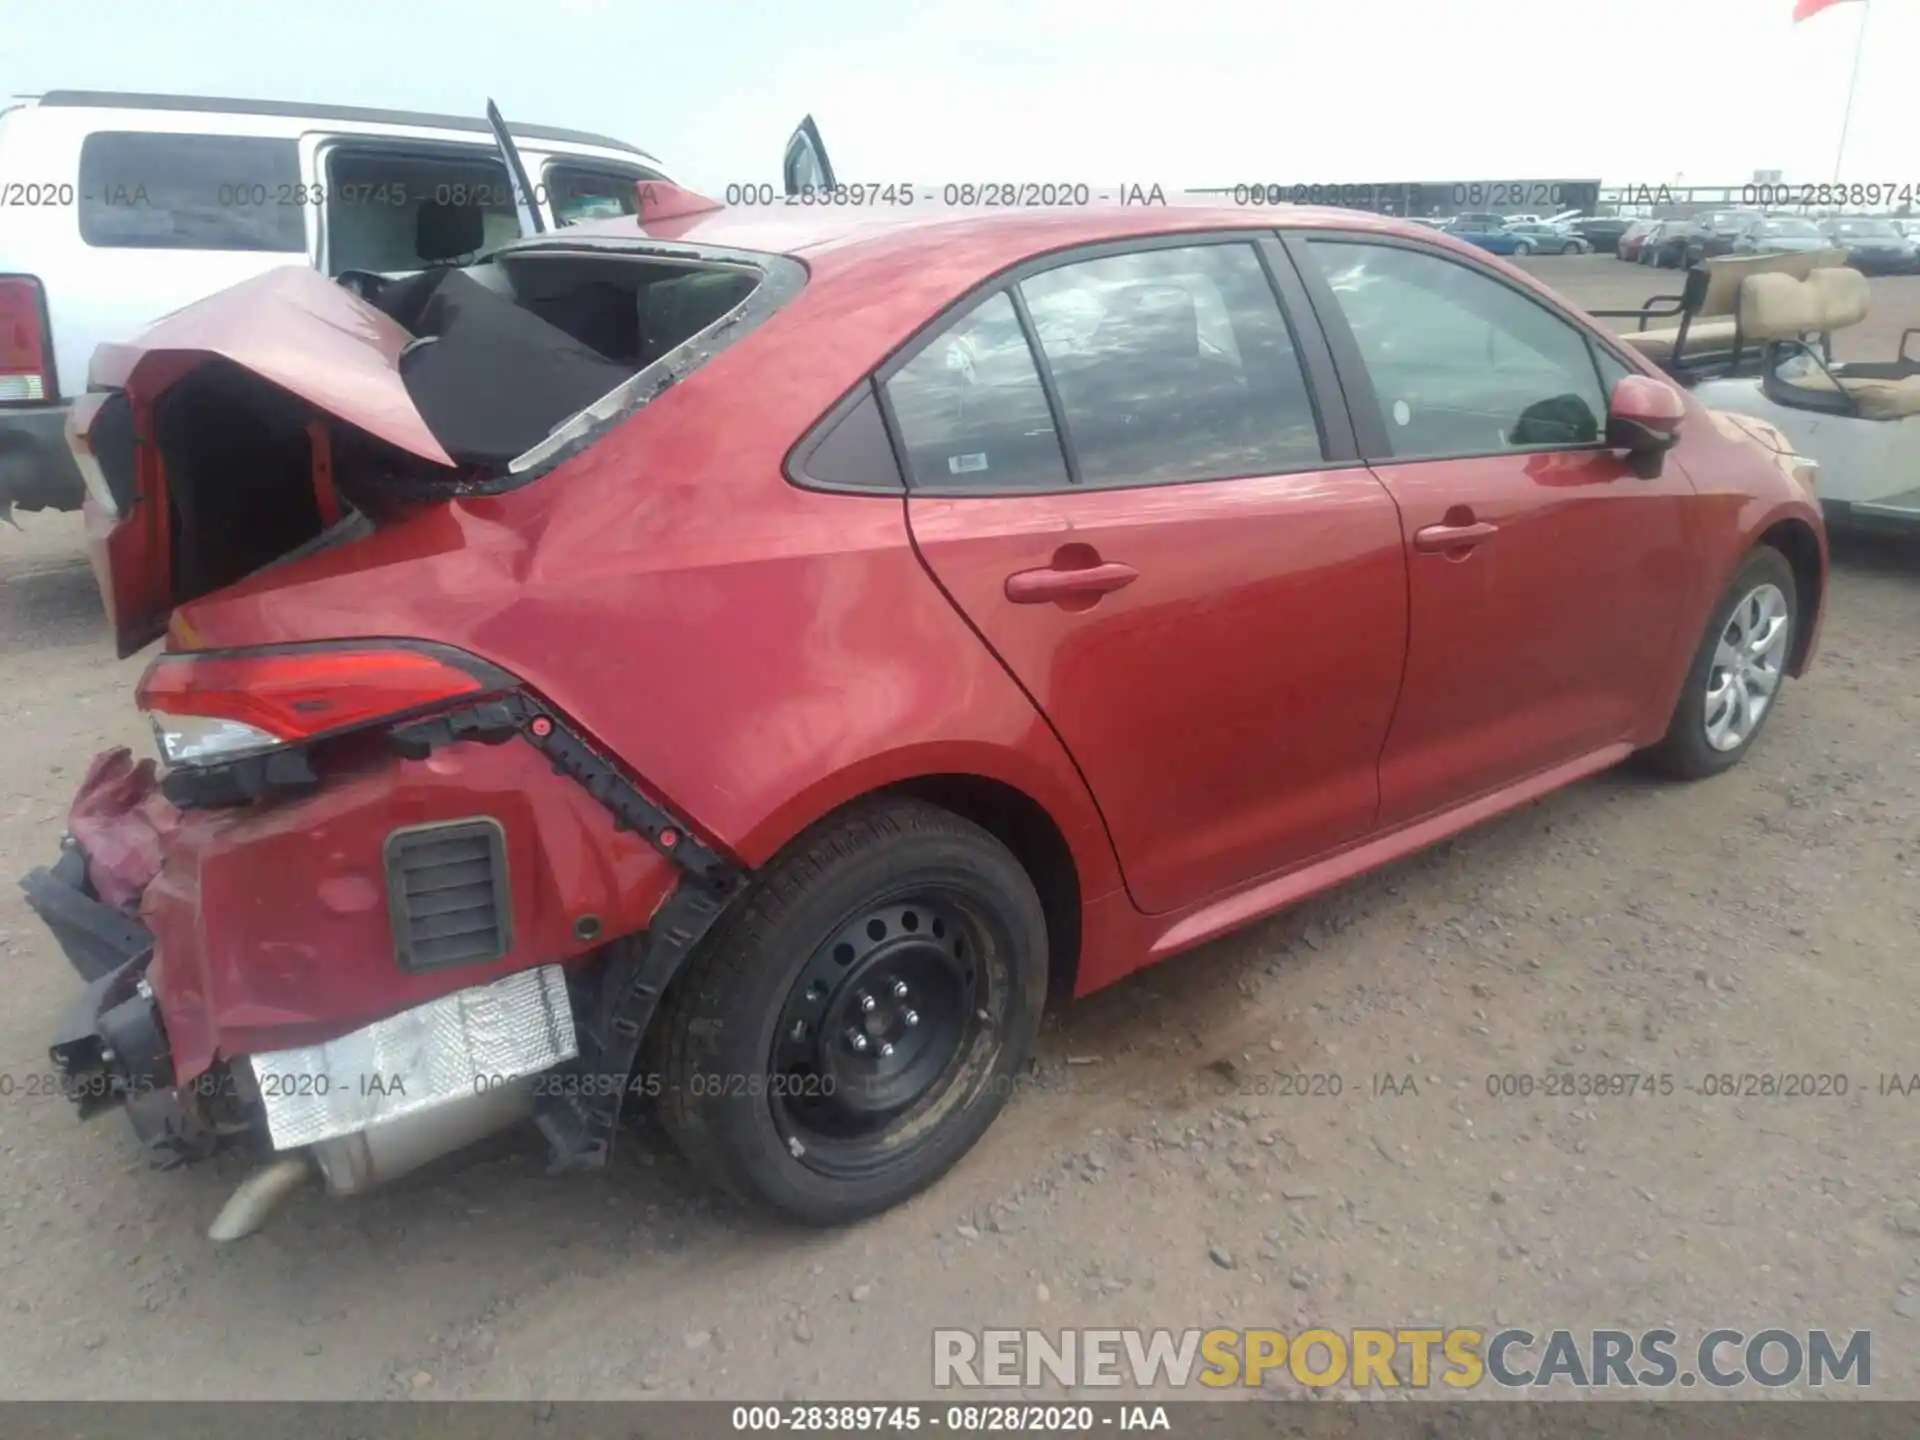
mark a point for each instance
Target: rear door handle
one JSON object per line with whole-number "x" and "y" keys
{"x": 1436, "y": 539}
{"x": 1036, "y": 587}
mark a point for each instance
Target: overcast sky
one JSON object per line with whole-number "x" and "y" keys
{"x": 1192, "y": 92}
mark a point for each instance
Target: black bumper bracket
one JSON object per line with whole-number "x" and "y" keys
{"x": 578, "y": 1108}
{"x": 97, "y": 938}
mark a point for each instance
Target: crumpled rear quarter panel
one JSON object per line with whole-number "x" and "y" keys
{"x": 271, "y": 923}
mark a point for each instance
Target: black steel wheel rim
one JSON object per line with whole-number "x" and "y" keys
{"x": 885, "y": 1028}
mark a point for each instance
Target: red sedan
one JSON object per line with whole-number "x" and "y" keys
{"x": 1634, "y": 240}
{"x": 746, "y": 666}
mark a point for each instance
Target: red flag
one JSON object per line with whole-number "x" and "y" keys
{"x": 1803, "y": 9}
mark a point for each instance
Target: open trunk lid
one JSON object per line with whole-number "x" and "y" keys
{"x": 241, "y": 428}
{"x": 307, "y": 345}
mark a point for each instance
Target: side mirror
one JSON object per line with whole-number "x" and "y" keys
{"x": 1643, "y": 419}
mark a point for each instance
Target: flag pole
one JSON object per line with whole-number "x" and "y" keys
{"x": 1853, "y": 83}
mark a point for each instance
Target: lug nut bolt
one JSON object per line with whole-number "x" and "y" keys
{"x": 910, "y": 1019}
{"x": 857, "y": 1040}
{"x": 899, "y": 989}
{"x": 866, "y": 1003}
{"x": 886, "y": 1049}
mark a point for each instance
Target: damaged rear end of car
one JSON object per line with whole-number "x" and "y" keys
{"x": 323, "y": 927}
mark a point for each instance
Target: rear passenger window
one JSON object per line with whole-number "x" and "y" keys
{"x": 1173, "y": 364}
{"x": 145, "y": 191}
{"x": 971, "y": 410}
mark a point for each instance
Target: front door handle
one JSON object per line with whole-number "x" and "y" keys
{"x": 1438, "y": 539}
{"x": 1037, "y": 587}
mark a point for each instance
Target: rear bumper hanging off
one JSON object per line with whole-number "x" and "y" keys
{"x": 115, "y": 1045}
{"x": 97, "y": 938}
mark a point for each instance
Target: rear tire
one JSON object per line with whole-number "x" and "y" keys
{"x": 1741, "y": 662}
{"x": 856, "y": 1021}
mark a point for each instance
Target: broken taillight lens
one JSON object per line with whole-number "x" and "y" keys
{"x": 208, "y": 707}
{"x": 24, "y": 367}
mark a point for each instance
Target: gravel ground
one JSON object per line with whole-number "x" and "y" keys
{"x": 1763, "y": 922}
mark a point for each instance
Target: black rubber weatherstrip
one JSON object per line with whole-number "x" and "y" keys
{"x": 493, "y": 722}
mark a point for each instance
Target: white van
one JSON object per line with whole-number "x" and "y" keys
{"x": 118, "y": 209}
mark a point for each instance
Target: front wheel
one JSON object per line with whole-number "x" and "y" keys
{"x": 856, "y": 1022}
{"x": 1734, "y": 682}
{"x": 1523, "y": 249}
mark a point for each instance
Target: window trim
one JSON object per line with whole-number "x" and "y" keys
{"x": 1049, "y": 386}
{"x": 801, "y": 456}
{"x": 1369, "y": 418}
{"x": 93, "y": 137}
{"x": 1337, "y": 444}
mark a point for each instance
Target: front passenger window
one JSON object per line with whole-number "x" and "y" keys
{"x": 1461, "y": 364}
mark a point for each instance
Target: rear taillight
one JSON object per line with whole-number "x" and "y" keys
{"x": 209, "y": 707}
{"x": 26, "y": 369}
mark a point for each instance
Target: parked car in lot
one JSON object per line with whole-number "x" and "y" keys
{"x": 1628, "y": 246}
{"x": 131, "y": 206}
{"x": 1674, "y": 245}
{"x": 1725, "y": 227}
{"x": 1874, "y": 244}
{"x": 1553, "y": 239}
{"x": 758, "y": 710}
{"x": 1602, "y": 232}
{"x": 1780, "y": 234}
{"x": 1494, "y": 239}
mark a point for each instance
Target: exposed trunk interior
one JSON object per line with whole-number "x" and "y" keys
{"x": 503, "y": 352}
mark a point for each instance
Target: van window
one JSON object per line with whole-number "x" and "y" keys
{"x": 578, "y": 192}
{"x": 392, "y": 209}
{"x": 143, "y": 190}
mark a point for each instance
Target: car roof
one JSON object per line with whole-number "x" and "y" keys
{"x": 996, "y": 238}
{"x": 299, "y": 110}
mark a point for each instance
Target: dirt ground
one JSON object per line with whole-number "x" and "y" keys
{"x": 1762, "y": 922}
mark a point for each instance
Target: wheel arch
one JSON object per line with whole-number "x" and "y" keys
{"x": 1023, "y": 825}
{"x": 1795, "y": 539}
{"x": 1036, "y": 804}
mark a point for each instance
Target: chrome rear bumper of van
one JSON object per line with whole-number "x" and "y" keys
{"x": 37, "y": 469}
